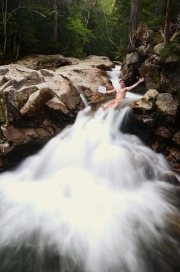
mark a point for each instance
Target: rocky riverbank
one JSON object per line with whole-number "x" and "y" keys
{"x": 157, "y": 114}
{"x": 40, "y": 95}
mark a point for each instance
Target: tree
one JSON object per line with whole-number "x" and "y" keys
{"x": 132, "y": 24}
{"x": 55, "y": 10}
{"x": 167, "y": 22}
{"x": 5, "y": 18}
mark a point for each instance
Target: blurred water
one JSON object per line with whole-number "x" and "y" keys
{"x": 114, "y": 76}
{"x": 90, "y": 201}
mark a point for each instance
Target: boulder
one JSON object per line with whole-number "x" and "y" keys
{"x": 132, "y": 58}
{"x": 176, "y": 138}
{"x": 151, "y": 71}
{"x": 43, "y": 61}
{"x": 148, "y": 100}
{"x": 164, "y": 132}
{"x": 170, "y": 79}
{"x": 166, "y": 104}
{"x": 40, "y": 95}
{"x": 156, "y": 122}
{"x": 158, "y": 48}
{"x": 156, "y": 115}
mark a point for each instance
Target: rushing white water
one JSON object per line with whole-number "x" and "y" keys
{"x": 91, "y": 196}
{"x": 114, "y": 76}
{"x": 90, "y": 201}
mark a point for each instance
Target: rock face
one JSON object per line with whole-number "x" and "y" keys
{"x": 157, "y": 114}
{"x": 40, "y": 95}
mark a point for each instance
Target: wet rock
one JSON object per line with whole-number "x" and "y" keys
{"x": 169, "y": 177}
{"x": 17, "y": 136}
{"x": 176, "y": 138}
{"x": 140, "y": 161}
{"x": 164, "y": 132}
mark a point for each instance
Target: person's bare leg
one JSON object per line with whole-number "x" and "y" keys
{"x": 109, "y": 104}
{"x": 116, "y": 104}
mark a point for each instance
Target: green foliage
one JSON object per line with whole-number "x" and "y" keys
{"x": 158, "y": 114}
{"x": 46, "y": 60}
{"x": 76, "y": 28}
{"x": 151, "y": 12}
{"x": 173, "y": 49}
{"x": 83, "y": 27}
{"x": 122, "y": 14}
{"x": 119, "y": 55}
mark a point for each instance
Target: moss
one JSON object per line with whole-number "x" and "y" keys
{"x": 3, "y": 118}
{"x": 173, "y": 49}
{"x": 2, "y": 81}
{"x": 158, "y": 113}
{"x": 157, "y": 38}
{"x": 2, "y": 138}
{"x": 43, "y": 61}
{"x": 144, "y": 100}
{"x": 46, "y": 60}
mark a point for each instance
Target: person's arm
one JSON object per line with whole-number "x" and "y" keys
{"x": 110, "y": 91}
{"x": 134, "y": 85}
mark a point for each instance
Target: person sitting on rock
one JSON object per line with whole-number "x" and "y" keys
{"x": 120, "y": 93}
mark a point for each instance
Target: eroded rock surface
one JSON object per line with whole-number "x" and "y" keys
{"x": 40, "y": 95}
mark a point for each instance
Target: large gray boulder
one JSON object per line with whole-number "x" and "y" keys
{"x": 40, "y": 95}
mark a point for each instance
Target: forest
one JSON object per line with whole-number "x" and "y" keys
{"x": 79, "y": 28}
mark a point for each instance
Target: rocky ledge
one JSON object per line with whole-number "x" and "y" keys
{"x": 40, "y": 95}
{"x": 157, "y": 114}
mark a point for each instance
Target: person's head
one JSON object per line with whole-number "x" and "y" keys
{"x": 121, "y": 82}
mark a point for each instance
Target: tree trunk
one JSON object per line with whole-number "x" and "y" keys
{"x": 55, "y": 9}
{"x": 16, "y": 46}
{"x": 132, "y": 25}
{"x": 4, "y": 16}
{"x": 167, "y": 22}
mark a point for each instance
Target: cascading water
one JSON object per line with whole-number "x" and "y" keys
{"x": 114, "y": 76}
{"x": 90, "y": 201}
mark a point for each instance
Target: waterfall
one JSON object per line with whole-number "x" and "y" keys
{"x": 90, "y": 201}
{"x": 114, "y": 76}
